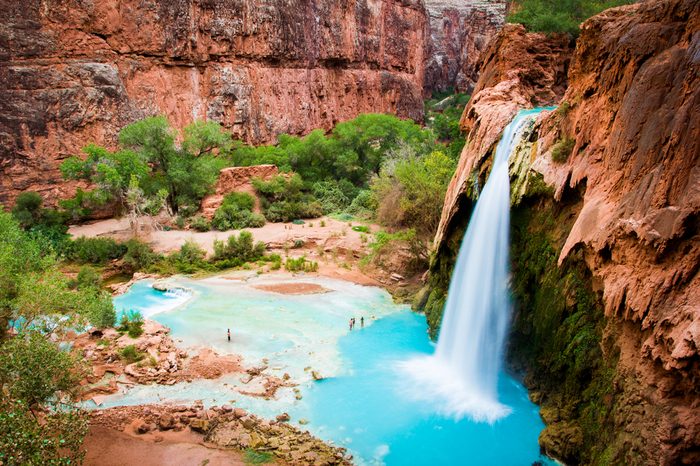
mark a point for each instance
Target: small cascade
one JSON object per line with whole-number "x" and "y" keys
{"x": 463, "y": 373}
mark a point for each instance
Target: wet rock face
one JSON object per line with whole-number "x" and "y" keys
{"x": 460, "y": 31}
{"x": 634, "y": 97}
{"x": 74, "y": 72}
{"x": 631, "y": 109}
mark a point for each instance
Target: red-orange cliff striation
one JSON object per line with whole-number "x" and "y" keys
{"x": 74, "y": 72}
{"x": 519, "y": 70}
{"x": 631, "y": 114}
{"x": 460, "y": 31}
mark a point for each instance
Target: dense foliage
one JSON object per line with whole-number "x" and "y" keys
{"x": 558, "y": 15}
{"x": 284, "y": 199}
{"x": 39, "y": 421}
{"x": 150, "y": 162}
{"x": 235, "y": 212}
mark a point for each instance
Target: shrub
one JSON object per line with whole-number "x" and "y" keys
{"x": 562, "y": 150}
{"x": 100, "y": 309}
{"x": 361, "y": 229}
{"x": 189, "y": 258}
{"x": 132, "y": 323}
{"x": 284, "y": 199}
{"x": 88, "y": 277}
{"x": 300, "y": 264}
{"x": 239, "y": 248}
{"x": 242, "y": 201}
{"x": 180, "y": 222}
{"x": 139, "y": 255}
{"x": 29, "y": 213}
{"x": 94, "y": 250}
{"x": 275, "y": 261}
{"x": 236, "y": 213}
{"x": 330, "y": 196}
{"x": 364, "y": 204}
{"x": 200, "y": 223}
{"x": 131, "y": 354}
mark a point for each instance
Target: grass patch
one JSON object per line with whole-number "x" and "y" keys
{"x": 257, "y": 457}
{"x": 131, "y": 354}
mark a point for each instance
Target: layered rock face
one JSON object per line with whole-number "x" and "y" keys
{"x": 631, "y": 113}
{"x": 519, "y": 70}
{"x": 74, "y": 71}
{"x": 460, "y": 30}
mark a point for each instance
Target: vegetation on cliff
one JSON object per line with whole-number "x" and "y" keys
{"x": 558, "y": 336}
{"x": 558, "y": 15}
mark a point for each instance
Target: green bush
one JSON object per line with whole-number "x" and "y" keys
{"x": 239, "y": 249}
{"x": 131, "y": 354}
{"x": 30, "y": 214}
{"x": 94, "y": 250}
{"x": 330, "y": 196}
{"x": 562, "y": 150}
{"x": 285, "y": 200}
{"x": 190, "y": 258}
{"x": 100, "y": 309}
{"x": 300, "y": 264}
{"x": 241, "y": 201}
{"x": 132, "y": 323}
{"x": 231, "y": 218}
{"x": 87, "y": 278}
{"x": 139, "y": 255}
{"x": 236, "y": 213}
{"x": 364, "y": 205}
{"x": 361, "y": 229}
{"x": 200, "y": 223}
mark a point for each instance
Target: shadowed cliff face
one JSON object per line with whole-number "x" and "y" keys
{"x": 631, "y": 111}
{"x": 74, "y": 71}
{"x": 460, "y": 31}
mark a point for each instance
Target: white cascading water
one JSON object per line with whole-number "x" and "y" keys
{"x": 462, "y": 375}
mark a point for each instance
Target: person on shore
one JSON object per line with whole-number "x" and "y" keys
{"x": 228, "y": 332}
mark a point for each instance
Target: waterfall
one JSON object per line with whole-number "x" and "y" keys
{"x": 463, "y": 372}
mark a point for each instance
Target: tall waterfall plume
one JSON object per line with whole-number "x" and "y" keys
{"x": 462, "y": 375}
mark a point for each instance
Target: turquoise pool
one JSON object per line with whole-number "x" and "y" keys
{"x": 364, "y": 403}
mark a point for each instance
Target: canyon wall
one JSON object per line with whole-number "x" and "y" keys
{"x": 75, "y": 71}
{"x": 606, "y": 246}
{"x": 460, "y": 30}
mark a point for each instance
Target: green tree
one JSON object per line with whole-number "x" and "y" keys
{"x": 39, "y": 421}
{"x": 410, "y": 190}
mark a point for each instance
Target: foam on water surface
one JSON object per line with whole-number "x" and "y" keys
{"x": 365, "y": 404}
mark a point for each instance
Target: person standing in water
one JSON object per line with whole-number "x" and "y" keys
{"x": 362, "y": 322}
{"x": 228, "y": 332}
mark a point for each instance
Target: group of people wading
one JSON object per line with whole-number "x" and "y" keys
{"x": 353, "y": 322}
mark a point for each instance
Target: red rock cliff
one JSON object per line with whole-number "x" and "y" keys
{"x": 72, "y": 72}
{"x": 460, "y": 30}
{"x": 632, "y": 109}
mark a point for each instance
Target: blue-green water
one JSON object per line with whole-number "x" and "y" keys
{"x": 366, "y": 403}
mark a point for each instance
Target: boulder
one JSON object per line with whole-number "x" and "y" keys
{"x": 200, "y": 425}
